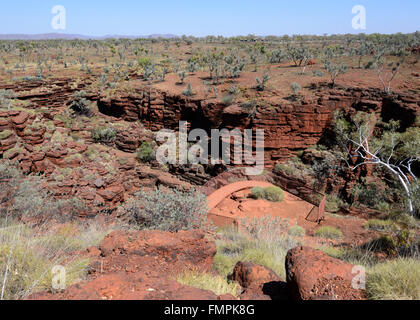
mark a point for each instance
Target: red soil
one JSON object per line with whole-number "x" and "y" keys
{"x": 237, "y": 206}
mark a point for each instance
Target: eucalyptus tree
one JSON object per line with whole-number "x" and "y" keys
{"x": 386, "y": 69}
{"x": 300, "y": 55}
{"x": 388, "y": 148}
{"x": 364, "y": 49}
{"x": 334, "y": 69}
{"x": 261, "y": 83}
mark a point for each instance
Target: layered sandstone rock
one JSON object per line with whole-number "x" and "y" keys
{"x": 289, "y": 126}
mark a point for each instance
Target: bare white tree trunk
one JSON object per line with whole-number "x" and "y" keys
{"x": 364, "y": 152}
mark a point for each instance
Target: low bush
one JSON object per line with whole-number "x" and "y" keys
{"x": 188, "y": 91}
{"x": 297, "y": 231}
{"x": 328, "y": 232}
{"x": 272, "y": 193}
{"x": 317, "y": 73}
{"x": 80, "y": 105}
{"x": 169, "y": 211}
{"x": 295, "y": 88}
{"x": 228, "y": 99}
{"x": 402, "y": 243}
{"x": 257, "y": 192}
{"x": 334, "y": 203}
{"x": 249, "y": 105}
{"x": 105, "y": 135}
{"x": 335, "y": 252}
{"x": 5, "y": 98}
{"x": 145, "y": 153}
{"x": 25, "y": 197}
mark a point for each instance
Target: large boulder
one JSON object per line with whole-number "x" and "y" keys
{"x": 259, "y": 282}
{"x": 313, "y": 275}
{"x": 249, "y": 274}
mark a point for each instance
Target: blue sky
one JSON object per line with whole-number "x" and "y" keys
{"x": 209, "y": 17}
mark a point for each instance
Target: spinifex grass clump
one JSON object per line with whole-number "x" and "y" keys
{"x": 264, "y": 241}
{"x": 206, "y": 281}
{"x": 328, "y": 232}
{"x": 381, "y": 225}
{"x": 29, "y": 253}
{"x": 394, "y": 280}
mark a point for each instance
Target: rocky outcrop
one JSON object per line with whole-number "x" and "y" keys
{"x": 173, "y": 251}
{"x": 259, "y": 282}
{"x": 129, "y": 286}
{"x": 99, "y": 175}
{"x": 312, "y": 275}
{"x": 289, "y": 126}
{"x": 143, "y": 266}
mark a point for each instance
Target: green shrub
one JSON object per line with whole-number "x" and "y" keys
{"x": 249, "y": 105}
{"x": 402, "y": 243}
{"x": 144, "y": 62}
{"x": 169, "y": 211}
{"x": 80, "y": 105}
{"x": 384, "y": 243}
{"x": 189, "y": 91}
{"x": 383, "y": 206}
{"x": 394, "y": 280}
{"x": 333, "y": 203}
{"x": 294, "y": 168}
{"x": 182, "y": 75}
{"x": 145, "y": 152}
{"x": 106, "y": 135}
{"x": 228, "y": 99}
{"x": 5, "y": 98}
{"x": 295, "y": 88}
{"x": 257, "y": 193}
{"x": 272, "y": 193}
{"x": 335, "y": 252}
{"x": 297, "y": 231}
{"x": 7, "y": 154}
{"x": 261, "y": 83}
{"x": 328, "y": 232}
